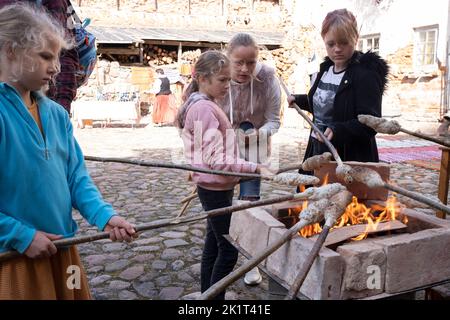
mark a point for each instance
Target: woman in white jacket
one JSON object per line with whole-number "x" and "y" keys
{"x": 253, "y": 106}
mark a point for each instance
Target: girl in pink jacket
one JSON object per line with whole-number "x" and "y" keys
{"x": 210, "y": 142}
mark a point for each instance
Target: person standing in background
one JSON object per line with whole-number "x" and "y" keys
{"x": 164, "y": 110}
{"x": 253, "y": 107}
{"x": 64, "y": 87}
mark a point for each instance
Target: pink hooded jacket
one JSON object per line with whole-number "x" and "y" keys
{"x": 210, "y": 143}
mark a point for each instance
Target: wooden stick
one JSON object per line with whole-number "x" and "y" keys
{"x": 192, "y": 196}
{"x": 183, "y": 208}
{"x": 160, "y": 164}
{"x": 342, "y": 169}
{"x": 310, "y": 164}
{"x": 301, "y": 276}
{"x": 372, "y": 179}
{"x": 312, "y": 214}
{"x": 188, "y": 201}
{"x": 347, "y": 232}
{"x": 382, "y": 125}
{"x": 290, "y": 167}
{"x": 426, "y": 137}
{"x": 418, "y": 197}
{"x": 332, "y": 213}
{"x": 177, "y": 221}
{"x": 316, "y": 162}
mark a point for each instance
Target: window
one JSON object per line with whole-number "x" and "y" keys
{"x": 372, "y": 42}
{"x": 425, "y": 45}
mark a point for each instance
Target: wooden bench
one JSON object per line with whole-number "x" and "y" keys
{"x": 443, "y": 179}
{"x": 105, "y": 111}
{"x": 441, "y": 292}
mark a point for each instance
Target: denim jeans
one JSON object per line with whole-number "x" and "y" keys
{"x": 249, "y": 189}
{"x": 219, "y": 256}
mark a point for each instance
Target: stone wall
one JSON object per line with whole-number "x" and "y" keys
{"x": 413, "y": 97}
{"x": 238, "y": 14}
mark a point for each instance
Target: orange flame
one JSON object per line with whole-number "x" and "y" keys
{"x": 355, "y": 213}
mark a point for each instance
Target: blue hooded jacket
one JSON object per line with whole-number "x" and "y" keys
{"x": 42, "y": 176}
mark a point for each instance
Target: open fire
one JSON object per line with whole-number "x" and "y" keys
{"x": 403, "y": 253}
{"x": 355, "y": 214}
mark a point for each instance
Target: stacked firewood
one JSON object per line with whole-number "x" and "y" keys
{"x": 155, "y": 55}
{"x": 281, "y": 59}
{"x": 191, "y": 56}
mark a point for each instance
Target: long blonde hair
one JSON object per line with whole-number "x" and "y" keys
{"x": 25, "y": 27}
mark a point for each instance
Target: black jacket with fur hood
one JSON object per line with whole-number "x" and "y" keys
{"x": 360, "y": 92}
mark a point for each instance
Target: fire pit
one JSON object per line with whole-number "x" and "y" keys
{"x": 389, "y": 257}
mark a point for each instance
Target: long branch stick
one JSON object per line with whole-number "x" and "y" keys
{"x": 279, "y": 178}
{"x": 418, "y": 197}
{"x": 342, "y": 169}
{"x": 186, "y": 201}
{"x": 194, "y": 195}
{"x": 190, "y": 197}
{"x": 290, "y": 167}
{"x": 426, "y": 137}
{"x": 314, "y": 214}
{"x": 313, "y": 126}
{"x": 301, "y": 276}
{"x": 332, "y": 213}
{"x": 161, "y": 164}
{"x": 172, "y": 222}
{"x": 382, "y": 125}
{"x": 372, "y": 179}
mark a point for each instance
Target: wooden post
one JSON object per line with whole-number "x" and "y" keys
{"x": 156, "y": 5}
{"x": 189, "y": 6}
{"x": 443, "y": 179}
{"x": 141, "y": 53}
{"x": 223, "y": 7}
{"x": 180, "y": 52}
{"x": 118, "y": 4}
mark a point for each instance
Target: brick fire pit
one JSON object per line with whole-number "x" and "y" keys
{"x": 417, "y": 257}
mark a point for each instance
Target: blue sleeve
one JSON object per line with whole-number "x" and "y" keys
{"x": 86, "y": 198}
{"x": 14, "y": 234}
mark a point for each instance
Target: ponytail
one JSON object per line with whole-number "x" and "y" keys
{"x": 209, "y": 63}
{"x": 181, "y": 115}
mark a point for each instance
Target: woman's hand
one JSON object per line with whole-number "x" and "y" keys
{"x": 42, "y": 245}
{"x": 120, "y": 229}
{"x": 328, "y": 134}
{"x": 290, "y": 100}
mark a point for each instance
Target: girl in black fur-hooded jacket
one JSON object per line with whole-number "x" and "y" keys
{"x": 348, "y": 84}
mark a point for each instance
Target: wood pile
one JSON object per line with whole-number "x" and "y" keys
{"x": 125, "y": 58}
{"x": 158, "y": 56}
{"x": 281, "y": 59}
{"x": 191, "y": 56}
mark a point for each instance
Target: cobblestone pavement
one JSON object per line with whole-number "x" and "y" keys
{"x": 165, "y": 263}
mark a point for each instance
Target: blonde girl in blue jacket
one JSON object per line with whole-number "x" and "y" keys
{"x": 42, "y": 172}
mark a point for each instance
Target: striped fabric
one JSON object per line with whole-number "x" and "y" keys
{"x": 64, "y": 88}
